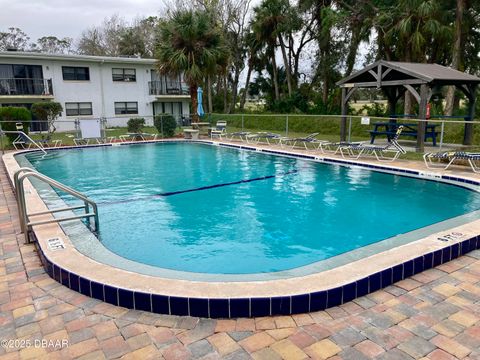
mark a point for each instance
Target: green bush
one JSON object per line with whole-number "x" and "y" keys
{"x": 13, "y": 115}
{"x": 135, "y": 125}
{"x": 165, "y": 124}
{"x": 48, "y": 111}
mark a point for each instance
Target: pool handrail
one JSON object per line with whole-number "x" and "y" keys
{"x": 25, "y": 172}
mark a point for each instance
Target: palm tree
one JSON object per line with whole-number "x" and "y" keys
{"x": 273, "y": 18}
{"x": 254, "y": 48}
{"x": 189, "y": 42}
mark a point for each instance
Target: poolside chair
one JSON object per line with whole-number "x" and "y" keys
{"x": 436, "y": 160}
{"x": 268, "y": 136}
{"x": 137, "y": 137}
{"x": 356, "y": 151}
{"x": 47, "y": 141}
{"x": 21, "y": 141}
{"x": 309, "y": 139}
{"x": 219, "y": 129}
{"x": 241, "y": 135}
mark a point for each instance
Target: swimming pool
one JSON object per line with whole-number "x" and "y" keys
{"x": 73, "y": 256}
{"x": 208, "y": 209}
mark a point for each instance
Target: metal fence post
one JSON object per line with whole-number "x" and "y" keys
{"x": 441, "y": 134}
{"x": 349, "y": 128}
{"x": 161, "y": 126}
{"x": 286, "y": 126}
{"x": 1, "y": 139}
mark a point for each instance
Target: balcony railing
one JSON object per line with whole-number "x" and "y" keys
{"x": 169, "y": 88}
{"x": 26, "y": 87}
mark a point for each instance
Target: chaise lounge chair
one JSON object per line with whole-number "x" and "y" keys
{"x": 268, "y": 136}
{"x": 309, "y": 139}
{"x": 435, "y": 160}
{"x": 356, "y": 151}
{"x": 241, "y": 135}
{"x": 219, "y": 129}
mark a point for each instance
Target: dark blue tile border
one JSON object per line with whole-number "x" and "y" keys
{"x": 198, "y": 307}
{"x": 260, "y": 307}
{"x": 178, "y": 305}
{"x": 219, "y": 308}
{"x": 282, "y": 305}
{"x": 142, "y": 301}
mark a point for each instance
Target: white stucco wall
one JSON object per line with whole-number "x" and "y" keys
{"x": 100, "y": 90}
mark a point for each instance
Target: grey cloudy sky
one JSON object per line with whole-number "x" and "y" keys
{"x": 63, "y": 18}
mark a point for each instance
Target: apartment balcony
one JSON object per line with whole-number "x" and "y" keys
{"x": 26, "y": 88}
{"x": 160, "y": 88}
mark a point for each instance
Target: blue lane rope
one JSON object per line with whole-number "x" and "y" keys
{"x": 170, "y": 193}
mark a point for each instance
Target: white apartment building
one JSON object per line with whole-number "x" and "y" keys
{"x": 115, "y": 88}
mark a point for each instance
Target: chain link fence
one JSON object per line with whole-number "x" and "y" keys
{"x": 441, "y": 134}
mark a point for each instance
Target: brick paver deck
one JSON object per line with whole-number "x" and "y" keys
{"x": 434, "y": 315}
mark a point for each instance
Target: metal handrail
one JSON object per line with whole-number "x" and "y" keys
{"x": 25, "y": 223}
{"x": 23, "y": 133}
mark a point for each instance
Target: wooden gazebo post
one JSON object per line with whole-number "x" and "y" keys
{"x": 343, "y": 121}
{"x": 422, "y": 115}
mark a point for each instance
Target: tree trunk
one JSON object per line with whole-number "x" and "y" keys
{"x": 247, "y": 83}
{"x": 352, "y": 51}
{"x": 234, "y": 91}
{"x": 407, "y": 106}
{"x": 287, "y": 66}
{"x": 193, "y": 97}
{"x": 209, "y": 91}
{"x": 225, "y": 93}
{"x": 456, "y": 56}
{"x": 275, "y": 75}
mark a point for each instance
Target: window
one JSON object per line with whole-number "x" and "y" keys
{"x": 126, "y": 108}
{"x": 80, "y": 108}
{"x": 75, "y": 73}
{"x": 124, "y": 75}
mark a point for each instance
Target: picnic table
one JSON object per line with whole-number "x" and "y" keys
{"x": 409, "y": 129}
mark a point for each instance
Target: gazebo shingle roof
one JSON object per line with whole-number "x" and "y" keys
{"x": 426, "y": 73}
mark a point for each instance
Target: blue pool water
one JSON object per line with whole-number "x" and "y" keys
{"x": 161, "y": 205}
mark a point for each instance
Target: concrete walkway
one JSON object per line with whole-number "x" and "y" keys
{"x": 435, "y": 314}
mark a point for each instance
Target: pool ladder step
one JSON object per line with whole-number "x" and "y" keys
{"x": 26, "y": 224}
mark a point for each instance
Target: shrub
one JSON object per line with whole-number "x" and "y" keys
{"x": 165, "y": 124}
{"x": 135, "y": 125}
{"x": 12, "y": 115}
{"x": 47, "y": 111}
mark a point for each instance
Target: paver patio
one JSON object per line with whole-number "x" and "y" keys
{"x": 434, "y": 315}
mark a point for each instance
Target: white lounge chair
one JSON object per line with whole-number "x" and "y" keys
{"x": 356, "y": 151}
{"x": 435, "y": 160}
{"x": 219, "y": 129}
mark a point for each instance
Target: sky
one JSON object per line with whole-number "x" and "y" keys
{"x": 63, "y": 18}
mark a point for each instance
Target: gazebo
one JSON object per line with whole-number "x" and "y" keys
{"x": 421, "y": 80}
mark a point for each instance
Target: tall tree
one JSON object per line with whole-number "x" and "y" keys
{"x": 54, "y": 45}
{"x": 103, "y": 39}
{"x": 236, "y": 41}
{"x": 457, "y": 53}
{"x": 14, "y": 38}
{"x": 190, "y": 43}
{"x": 274, "y": 18}
{"x": 254, "y": 47}
{"x": 420, "y": 34}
